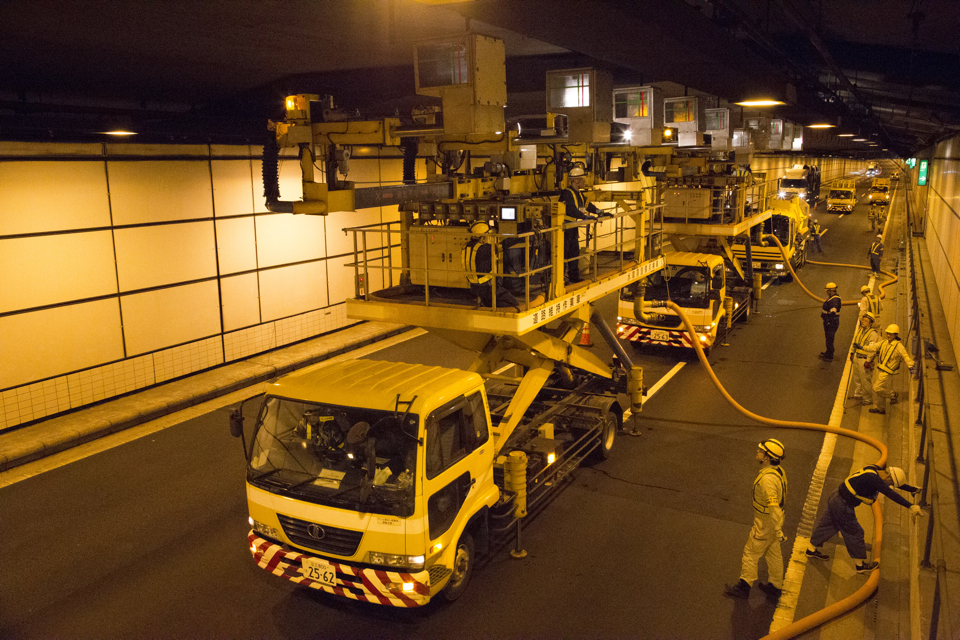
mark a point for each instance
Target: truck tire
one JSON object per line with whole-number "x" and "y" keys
{"x": 608, "y": 433}
{"x": 463, "y": 563}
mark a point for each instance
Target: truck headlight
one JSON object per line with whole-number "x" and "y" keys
{"x": 700, "y": 328}
{"x": 264, "y": 529}
{"x": 395, "y": 561}
{"x": 778, "y": 266}
{"x": 782, "y": 195}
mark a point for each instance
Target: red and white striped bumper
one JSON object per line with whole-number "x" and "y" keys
{"x": 366, "y": 585}
{"x": 665, "y": 337}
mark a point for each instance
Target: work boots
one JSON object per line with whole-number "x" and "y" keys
{"x": 739, "y": 590}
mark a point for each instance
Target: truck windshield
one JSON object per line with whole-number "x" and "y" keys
{"x": 687, "y": 286}
{"x": 358, "y": 459}
{"x": 840, "y": 194}
{"x": 793, "y": 183}
{"x": 879, "y": 189}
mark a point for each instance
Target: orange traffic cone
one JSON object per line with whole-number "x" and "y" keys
{"x": 585, "y": 336}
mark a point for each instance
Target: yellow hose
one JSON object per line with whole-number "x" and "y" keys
{"x": 860, "y": 595}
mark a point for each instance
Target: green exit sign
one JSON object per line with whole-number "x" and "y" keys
{"x": 911, "y": 162}
{"x": 922, "y": 174}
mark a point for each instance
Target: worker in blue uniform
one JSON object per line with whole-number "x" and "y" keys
{"x": 769, "y": 494}
{"x": 576, "y": 208}
{"x": 831, "y": 319}
{"x": 875, "y": 254}
{"x": 859, "y": 488}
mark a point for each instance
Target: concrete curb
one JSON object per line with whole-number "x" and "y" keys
{"x": 46, "y": 438}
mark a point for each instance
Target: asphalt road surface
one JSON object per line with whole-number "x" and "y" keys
{"x": 148, "y": 539}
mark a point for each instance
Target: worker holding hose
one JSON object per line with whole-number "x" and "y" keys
{"x": 861, "y": 487}
{"x": 889, "y": 354}
{"x": 769, "y": 493}
{"x": 862, "y": 361}
{"x": 831, "y": 319}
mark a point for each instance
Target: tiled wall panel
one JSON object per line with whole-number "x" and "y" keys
{"x": 159, "y": 191}
{"x": 240, "y": 300}
{"x": 288, "y": 291}
{"x": 158, "y": 319}
{"x": 165, "y": 254}
{"x": 50, "y": 196}
{"x": 236, "y": 245}
{"x": 233, "y": 188}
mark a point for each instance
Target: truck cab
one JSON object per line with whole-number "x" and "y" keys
{"x": 842, "y": 197}
{"x": 790, "y": 223}
{"x": 801, "y": 181}
{"x": 699, "y": 283}
{"x": 879, "y": 193}
{"x": 365, "y": 479}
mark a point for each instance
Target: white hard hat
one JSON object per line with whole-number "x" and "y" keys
{"x": 479, "y": 228}
{"x": 577, "y": 172}
{"x": 898, "y": 476}
{"x": 773, "y": 448}
{"x": 864, "y": 289}
{"x": 879, "y": 236}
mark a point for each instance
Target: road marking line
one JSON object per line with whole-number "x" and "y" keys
{"x": 793, "y": 578}
{"x": 656, "y": 387}
{"x": 100, "y": 445}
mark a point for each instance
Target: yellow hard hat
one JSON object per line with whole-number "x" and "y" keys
{"x": 831, "y": 285}
{"x": 869, "y": 316}
{"x": 577, "y": 172}
{"x": 864, "y": 289}
{"x": 479, "y": 228}
{"x": 773, "y": 448}
{"x": 893, "y": 329}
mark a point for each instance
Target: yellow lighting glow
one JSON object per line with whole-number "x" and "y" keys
{"x": 551, "y": 458}
{"x": 120, "y": 132}
{"x": 407, "y": 586}
{"x": 760, "y": 103}
{"x": 820, "y": 126}
{"x": 667, "y": 133}
{"x": 845, "y": 135}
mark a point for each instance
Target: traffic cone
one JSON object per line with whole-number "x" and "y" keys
{"x": 585, "y": 336}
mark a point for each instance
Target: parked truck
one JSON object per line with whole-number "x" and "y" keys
{"x": 710, "y": 293}
{"x": 790, "y": 223}
{"x": 802, "y": 181}
{"x": 842, "y": 197}
{"x": 383, "y": 482}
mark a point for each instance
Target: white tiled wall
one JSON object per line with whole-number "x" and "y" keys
{"x": 203, "y": 275}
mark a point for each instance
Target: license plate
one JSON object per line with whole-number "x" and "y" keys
{"x": 659, "y": 336}
{"x": 319, "y": 570}
{"x": 756, "y": 265}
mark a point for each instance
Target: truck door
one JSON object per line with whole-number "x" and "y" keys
{"x": 455, "y": 437}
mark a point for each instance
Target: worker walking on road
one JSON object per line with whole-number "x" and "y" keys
{"x": 831, "y": 319}
{"x": 815, "y": 232}
{"x": 576, "y": 208}
{"x": 769, "y": 494}
{"x": 869, "y": 302}
{"x": 861, "y": 487}
{"x": 875, "y": 254}
{"x": 862, "y": 361}
{"x": 889, "y": 354}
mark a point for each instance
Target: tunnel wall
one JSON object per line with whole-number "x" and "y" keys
{"x": 125, "y": 266}
{"x": 939, "y": 204}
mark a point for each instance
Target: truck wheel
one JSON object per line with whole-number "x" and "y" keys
{"x": 462, "y": 568}
{"x": 608, "y": 433}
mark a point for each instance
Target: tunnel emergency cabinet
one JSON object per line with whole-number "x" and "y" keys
{"x": 381, "y": 482}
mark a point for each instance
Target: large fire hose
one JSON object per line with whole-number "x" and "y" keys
{"x": 869, "y": 588}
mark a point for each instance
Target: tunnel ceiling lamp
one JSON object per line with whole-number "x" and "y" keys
{"x": 120, "y": 132}
{"x": 821, "y": 125}
{"x": 760, "y": 103}
{"x": 859, "y": 139}
{"x": 845, "y": 135}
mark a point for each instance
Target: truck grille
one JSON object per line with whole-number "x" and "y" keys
{"x": 326, "y": 539}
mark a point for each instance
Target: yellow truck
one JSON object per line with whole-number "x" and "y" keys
{"x": 842, "y": 197}
{"x": 699, "y": 283}
{"x": 383, "y": 482}
{"x": 790, "y": 224}
{"x": 879, "y": 193}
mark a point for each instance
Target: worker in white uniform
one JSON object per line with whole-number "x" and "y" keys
{"x": 769, "y": 493}
{"x": 862, "y": 361}
{"x": 869, "y": 302}
{"x": 890, "y": 353}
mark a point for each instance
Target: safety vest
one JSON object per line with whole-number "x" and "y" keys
{"x": 816, "y": 228}
{"x": 579, "y": 199}
{"x": 873, "y": 302}
{"x": 865, "y": 470}
{"x": 860, "y": 337}
{"x": 759, "y": 495}
{"x": 469, "y": 257}
{"x": 876, "y": 249}
{"x": 889, "y": 360}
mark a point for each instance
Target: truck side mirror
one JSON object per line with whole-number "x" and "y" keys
{"x": 236, "y": 423}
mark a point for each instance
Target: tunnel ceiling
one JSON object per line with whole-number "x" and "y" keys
{"x": 186, "y": 71}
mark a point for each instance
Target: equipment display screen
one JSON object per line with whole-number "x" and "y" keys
{"x": 508, "y": 213}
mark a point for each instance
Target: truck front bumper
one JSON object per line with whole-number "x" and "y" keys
{"x": 378, "y": 586}
{"x": 665, "y": 337}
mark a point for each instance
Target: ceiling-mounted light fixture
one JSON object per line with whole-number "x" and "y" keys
{"x": 859, "y": 139}
{"x": 820, "y": 125}
{"x": 845, "y": 135}
{"x": 120, "y": 132}
{"x": 767, "y": 102}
